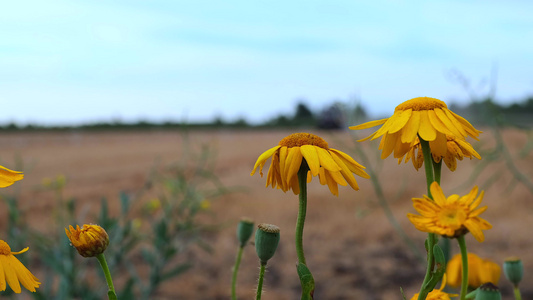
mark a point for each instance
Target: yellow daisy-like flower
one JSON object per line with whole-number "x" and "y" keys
{"x": 438, "y": 294}
{"x": 8, "y": 177}
{"x": 452, "y": 216}
{"x": 456, "y": 149}
{"x": 480, "y": 271}
{"x": 13, "y": 271}
{"x": 426, "y": 117}
{"x": 90, "y": 240}
{"x": 332, "y": 166}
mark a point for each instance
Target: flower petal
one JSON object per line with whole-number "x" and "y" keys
{"x": 410, "y": 129}
{"x": 400, "y": 121}
{"x": 326, "y": 161}
{"x": 311, "y": 157}
{"x": 368, "y": 124}
{"x": 262, "y": 159}
{"x": 437, "y": 194}
{"x": 451, "y": 127}
{"x": 426, "y": 131}
{"x": 10, "y": 275}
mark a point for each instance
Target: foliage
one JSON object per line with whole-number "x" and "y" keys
{"x": 148, "y": 242}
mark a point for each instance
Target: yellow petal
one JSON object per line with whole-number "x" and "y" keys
{"x": 345, "y": 171}
{"x": 437, "y": 194}
{"x": 332, "y": 185}
{"x": 11, "y": 276}
{"x": 24, "y": 275}
{"x": 439, "y": 145}
{"x": 8, "y": 177}
{"x": 466, "y": 126}
{"x": 326, "y": 161}
{"x": 410, "y": 129}
{"x": 294, "y": 161}
{"x": 347, "y": 158}
{"x": 322, "y": 175}
{"x": 311, "y": 157}
{"x": 437, "y": 123}
{"x": 2, "y": 278}
{"x": 385, "y": 128}
{"x": 474, "y": 230}
{"x": 455, "y": 122}
{"x": 390, "y": 141}
{"x": 262, "y": 159}
{"x": 449, "y": 125}
{"x": 400, "y": 121}
{"x": 368, "y": 124}
{"x": 426, "y": 131}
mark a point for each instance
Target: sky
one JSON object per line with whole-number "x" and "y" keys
{"x": 74, "y": 62}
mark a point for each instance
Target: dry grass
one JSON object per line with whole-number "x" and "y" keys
{"x": 351, "y": 257}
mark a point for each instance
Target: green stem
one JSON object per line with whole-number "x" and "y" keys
{"x": 260, "y": 281}
{"x": 302, "y": 208}
{"x": 437, "y": 167}
{"x": 432, "y": 238}
{"x": 111, "y": 292}
{"x": 464, "y": 259}
{"x": 234, "y": 278}
{"x": 517, "y": 294}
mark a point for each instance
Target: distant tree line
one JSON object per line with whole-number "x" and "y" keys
{"x": 337, "y": 115}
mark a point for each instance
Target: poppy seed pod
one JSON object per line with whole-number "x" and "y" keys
{"x": 266, "y": 241}
{"x": 513, "y": 270}
{"x": 244, "y": 231}
{"x": 488, "y": 291}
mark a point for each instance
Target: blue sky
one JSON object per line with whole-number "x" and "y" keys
{"x": 71, "y": 62}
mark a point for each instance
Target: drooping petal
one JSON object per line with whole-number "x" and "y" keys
{"x": 294, "y": 161}
{"x": 10, "y": 275}
{"x": 368, "y": 124}
{"x": 410, "y": 129}
{"x": 332, "y": 185}
{"x": 437, "y": 123}
{"x": 426, "y": 131}
{"x": 390, "y": 141}
{"x": 451, "y": 127}
{"x": 474, "y": 230}
{"x": 439, "y": 145}
{"x": 400, "y": 121}
{"x": 455, "y": 122}
{"x": 8, "y": 177}
{"x": 326, "y": 161}
{"x": 311, "y": 157}
{"x": 263, "y": 158}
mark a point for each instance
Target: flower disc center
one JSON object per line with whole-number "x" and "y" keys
{"x": 421, "y": 103}
{"x": 452, "y": 217}
{"x": 301, "y": 139}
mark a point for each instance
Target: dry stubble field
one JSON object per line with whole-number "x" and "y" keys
{"x": 351, "y": 248}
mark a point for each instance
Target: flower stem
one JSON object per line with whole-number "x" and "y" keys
{"x": 432, "y": 239}
{"x": 306, "y": 278}
{"x": 260, "y": 281}
{"x": 517, "y": 295}
{"x": 464, "y": 259}
{"x": 302, "y": 208}
{"x": 103, "y": 263}
{"x": 234, "y": 278}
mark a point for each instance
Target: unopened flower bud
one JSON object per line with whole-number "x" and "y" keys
{"x": 266, "y": 241}
{"x": 90, "y": 240}
{"x": 244, "y": 231}
{"x": 513, "y": 270}
{"x": 488, "y": 291}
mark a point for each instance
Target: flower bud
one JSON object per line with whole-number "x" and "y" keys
{"x": 488, "y": 291}
{"x": 266, "y": 241}
{"x": 513, "y": 270}
{"x": 90, "y": 240}
{"x": 244, "y": 231}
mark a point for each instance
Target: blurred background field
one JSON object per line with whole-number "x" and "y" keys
{"x": 173, "y": 199}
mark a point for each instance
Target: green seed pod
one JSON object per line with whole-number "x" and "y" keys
{"x": 244, "y": 231}
{"x": 513, "y": 270}
{"x": 266, "y": 241}
{"x": 488, "y": 291}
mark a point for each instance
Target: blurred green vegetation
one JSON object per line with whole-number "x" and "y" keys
{"x": 333, "y": 116}
{"x": 155, "y": 233}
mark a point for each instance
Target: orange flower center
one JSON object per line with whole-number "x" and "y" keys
{"x": 421, "y": 103}
{"x": 301, "y": 139}
{"x": 4, "y": 248}
{"x": 452, "y": 217}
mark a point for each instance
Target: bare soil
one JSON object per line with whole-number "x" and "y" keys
{"x": 352, "y": 249}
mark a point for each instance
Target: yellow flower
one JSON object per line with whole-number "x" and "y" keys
{"x": 456, "y": 149}
{"x": 480, "y": 271}
{"x": 451, "y": 217}
{"x": 426, "y": 117}
{"x": 330, "y": 165}
{"x": 8, "y": 177}
{"x": 91, "y": 240}
{"x": 437, "y": 294}
{"x": 13, "y": 271}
